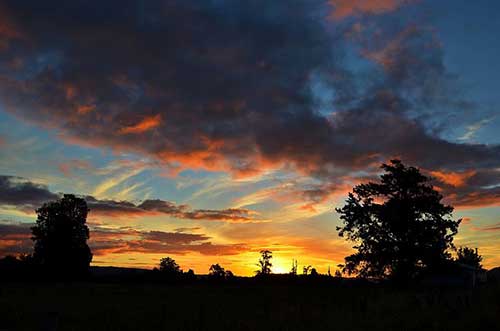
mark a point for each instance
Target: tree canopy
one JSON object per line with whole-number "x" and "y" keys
{"x": 216, "y": 271}
{"x": 60, "y": 235}
{"x": 399, "y": 225}
{"x": 169, "y": 267}
{"x": 470, "y": 257}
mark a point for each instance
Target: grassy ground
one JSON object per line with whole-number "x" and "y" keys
{"x": 87, "y": 306}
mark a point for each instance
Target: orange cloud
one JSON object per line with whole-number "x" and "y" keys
{"x": 146, "y": 124}
{"x": 105, "y": 241}
{"x": 478, "y": 199}
{"x": 69, "y": 91}
{"x": 84, "y": 109}
{"x": 15, "y": 238}
{"x": 466, "y": 220}
{"x": 455, "y": 179}
{"x": 211, "y": 155}
{"x": 388, "y": 55}
{"x": 346, "y": 8}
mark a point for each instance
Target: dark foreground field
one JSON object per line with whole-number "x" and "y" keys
{"x": 91, "y": 306}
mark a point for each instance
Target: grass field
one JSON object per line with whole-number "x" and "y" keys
{"x": 95, "y": 306}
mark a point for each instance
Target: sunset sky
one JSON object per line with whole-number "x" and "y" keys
{"x": 207, "y": 130}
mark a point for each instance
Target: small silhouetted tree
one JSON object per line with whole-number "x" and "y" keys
{"x": 313, "y": 272}
{"x": 470, "y": 257}
{"x": 399, "y": 225}
{"x": 169, "y": 267}
{"x": 216, "y": 271}
{"x": 229, "y": 274}
{"x": 190, "y": 275}
{"x": 294, "y": 268}
{"x": 265, "y": 262}
{"x": 60, "y": 236}
{"x": 306, "y": 269}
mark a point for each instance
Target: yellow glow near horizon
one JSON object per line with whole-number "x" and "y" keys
{"x": 279, "y": 269}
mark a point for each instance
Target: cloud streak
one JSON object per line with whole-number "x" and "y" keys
{"x": 346, "y": 8}
{"x": 145, "y": 125}
{"x": 27, "y": 196}
{"x": 15, "y": 238}
{"x": 162, "y": 207}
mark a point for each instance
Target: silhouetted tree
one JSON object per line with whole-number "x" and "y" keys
{"x": 399, "y": 225}
{"x": 265, "y": 262}
{"x": 470, "y": 257}
{"x": 314, "y": 272}
{"x": 338, "y": 274}
{"x": 294, "y": 268}
{"x": 306, "y": 269}
{"x": 190, "y": 275}
{"x": 229, "y": 274}
{"x": 169, "y": 267}
{"x": 216, "y": 271}
{"x": 60, "y": 236}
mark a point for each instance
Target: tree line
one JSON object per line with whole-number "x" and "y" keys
{"x": 399, "y": 226}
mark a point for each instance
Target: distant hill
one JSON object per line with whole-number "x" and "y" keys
{"x": 494, "y": 274}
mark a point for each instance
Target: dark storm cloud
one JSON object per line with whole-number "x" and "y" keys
{"x": 19, "y": 192}
{"x": 27, "y": 196}
{"x": 208, "y": 72}
{"x": 226, "y": 85}
{"x": 111, "y": 207}
{"x": 162, "y": 207}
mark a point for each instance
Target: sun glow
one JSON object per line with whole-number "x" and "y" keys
{"x": 281, "y": 267}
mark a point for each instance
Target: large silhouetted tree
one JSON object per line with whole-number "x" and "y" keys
{"x": 60, "y": 236}
{"x": 399, "y": 225}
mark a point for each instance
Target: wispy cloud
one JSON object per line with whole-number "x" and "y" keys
{"x": 473, "y": 129}
{"x": 130, "y": 192}
{"x": 26, "y": 196}
{"x": 112, "y": 182}
{"x": 146, "y": 124}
